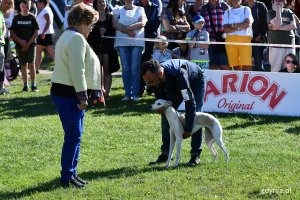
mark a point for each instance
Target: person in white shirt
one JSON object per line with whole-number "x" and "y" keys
{"x": 44, "y": 40}
{"x": 129, "y": 21}
{"x": 237, "y": 22}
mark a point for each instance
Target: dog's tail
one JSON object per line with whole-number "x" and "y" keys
{"x": 215, "y": 134}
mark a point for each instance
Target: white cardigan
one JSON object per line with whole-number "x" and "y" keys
{"x": 76, "y": 64}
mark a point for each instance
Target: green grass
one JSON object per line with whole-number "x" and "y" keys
{"x": 121, "y": 139}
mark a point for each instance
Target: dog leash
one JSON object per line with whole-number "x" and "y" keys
{"x": 179, "y": 118}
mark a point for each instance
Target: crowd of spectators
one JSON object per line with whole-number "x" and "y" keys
{"x": 248, "y": 21}
{"x": 243, "y": 21}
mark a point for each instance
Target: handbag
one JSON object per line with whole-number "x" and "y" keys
{"x": 218, "y": 35}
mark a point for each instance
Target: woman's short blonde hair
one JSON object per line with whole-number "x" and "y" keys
{"x": 82, "y": 14}
{"x": 161, "y": 37}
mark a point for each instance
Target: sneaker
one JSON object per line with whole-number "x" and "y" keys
{"x": 72, "y": 182}
{"x": 34, "y": 89}
{"x": 162, "y": 158}
{"x": 195, "y": 160}
{"x": 126, "y": 98}
{"x": 25, "y": 89}
{"x": 136, "y": 99}
{"x": 4, "y": 91}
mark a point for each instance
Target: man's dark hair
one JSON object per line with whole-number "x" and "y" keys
{"x": 24, "y": 1}
{"x": 45, "y": 2}
{"x": 151, "y": 65}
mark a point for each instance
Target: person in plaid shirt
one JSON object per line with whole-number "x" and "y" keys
{"x": 217, "y": 56}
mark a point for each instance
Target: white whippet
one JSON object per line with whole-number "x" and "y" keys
{"x": 213, "y": 130}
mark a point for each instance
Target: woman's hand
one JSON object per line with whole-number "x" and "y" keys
{"x": 83, "y": 105}
{"x": 131, "y": 34}
{"x": 43, "y": 36}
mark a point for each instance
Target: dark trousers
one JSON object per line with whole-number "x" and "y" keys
{"x": 72, "y": 122}
{"x": 258, "y": 56}
{"x": 198, "y": 88}
{"x": 147, "y": 55}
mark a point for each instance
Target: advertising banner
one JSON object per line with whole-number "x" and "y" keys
{"x": 267, "y": 93}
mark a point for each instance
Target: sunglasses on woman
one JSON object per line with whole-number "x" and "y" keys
{"x": 290, "y": 61}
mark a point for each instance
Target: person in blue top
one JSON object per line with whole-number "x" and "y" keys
{"x": 177, "y": 80}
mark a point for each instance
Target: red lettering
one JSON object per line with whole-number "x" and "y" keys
{"x": 275, "y": 97}
{"x": 229, "y": 81}
{"x": 211, "y": 88}
{"x": 244, "y": 82}
{"x": 258, "y": 91}
{"x": 257, "y": 86}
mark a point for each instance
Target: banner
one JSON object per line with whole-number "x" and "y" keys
{"x": 267, "y": 93}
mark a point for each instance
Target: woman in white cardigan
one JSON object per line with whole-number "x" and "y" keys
{"x": 77, "y": 68}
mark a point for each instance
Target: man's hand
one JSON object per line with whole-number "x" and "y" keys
{"x": 25, "y": 48}
{"x": 186, "y": 135}
{"x": 43, "y": 36}
{"x": 83, "y": 105}
{"x": 22, "y": 42}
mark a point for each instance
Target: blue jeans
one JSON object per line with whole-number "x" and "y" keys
{"x": 198, "y": 87}
{"x": 131, "y": 60}
{"x": 72, "y": 122}
{"x": 216, "y": 57}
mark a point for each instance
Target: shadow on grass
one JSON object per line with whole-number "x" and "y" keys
{"x": 293, "y": 130}
{"x": 44, "y": 187}
{"x": 42, "y": 105}
{"x": 255, "y": 120}
{"x": 91, "y": 175}
{"x": 26, "y": 107}
{"x": 119, "y": 172}
{"x": 129, "y": 108}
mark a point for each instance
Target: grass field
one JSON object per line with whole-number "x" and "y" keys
{"x": 122, "y": 138}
